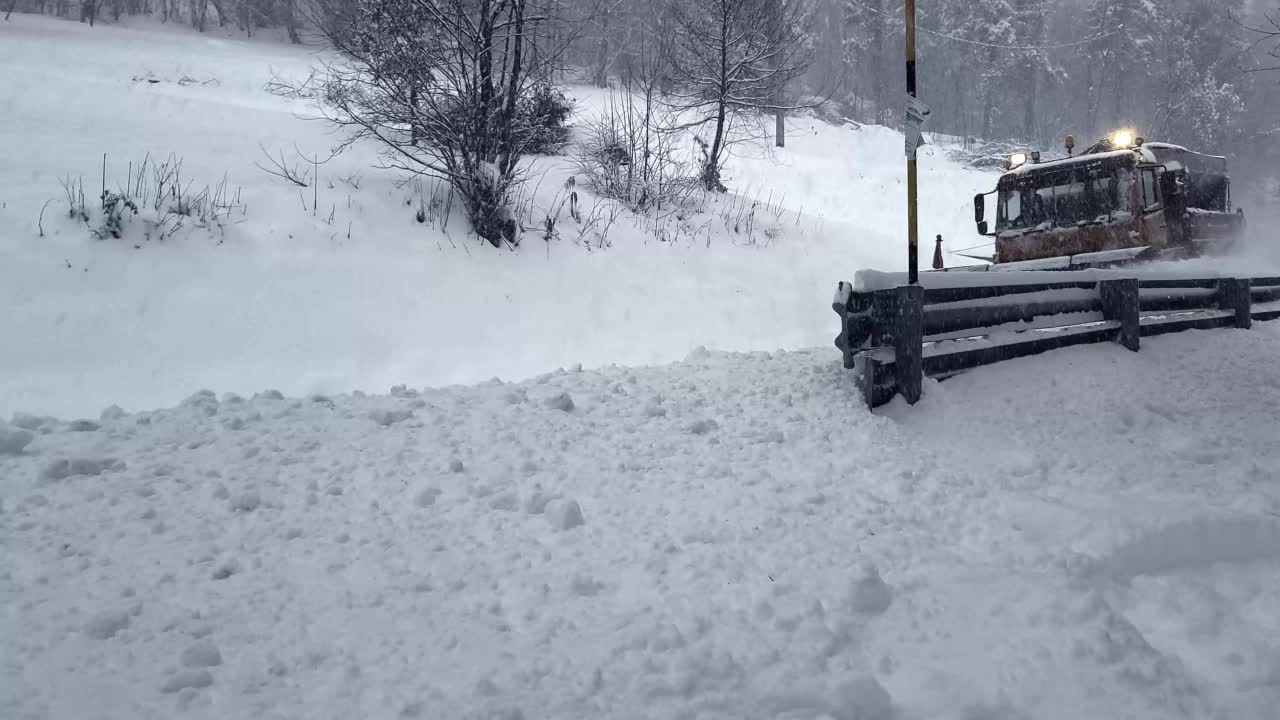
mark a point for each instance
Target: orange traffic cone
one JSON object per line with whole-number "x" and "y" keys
{"x": 937, "y": 255}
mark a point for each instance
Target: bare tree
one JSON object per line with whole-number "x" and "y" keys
{"x": 443, "y": 86}
{"x": 730, "y": 60}
{"x": 630, "y": 152}
{"x": 1265, "y": 32}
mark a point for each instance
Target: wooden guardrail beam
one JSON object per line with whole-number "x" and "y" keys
{"x": 893, "y": 337}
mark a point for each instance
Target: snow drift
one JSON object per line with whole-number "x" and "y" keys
{"x": 1089, "y": 533}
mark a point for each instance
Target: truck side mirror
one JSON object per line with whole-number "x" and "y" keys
{"x": 979, "y": 208}
{"x": 982, "y": 227}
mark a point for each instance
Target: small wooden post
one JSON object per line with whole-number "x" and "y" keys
{"x": 896, "y": 320}
{"x": 1120, "y": 301}
{"x": 1234, "y": 294}
{"x": 867, "y": 372}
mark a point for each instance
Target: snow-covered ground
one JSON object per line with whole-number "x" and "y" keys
{"x": 372, "y": 298}
{"x": 1091, "y": 533}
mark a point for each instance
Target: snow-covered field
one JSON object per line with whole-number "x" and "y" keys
{"x": 1091, "y": 533}
{"x": 289, "y": 300}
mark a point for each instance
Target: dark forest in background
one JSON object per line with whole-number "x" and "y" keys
{"x": 1185, "y": 71}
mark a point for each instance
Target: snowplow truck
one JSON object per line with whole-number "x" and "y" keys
{"x": 1123, "y": 200}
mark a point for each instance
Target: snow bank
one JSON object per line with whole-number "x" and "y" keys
{"x": 293, "y": 300}
{"x": 13, "y": 439}
{"x": 1087, "y": 533}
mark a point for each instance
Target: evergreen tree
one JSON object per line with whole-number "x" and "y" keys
{"x": 868, "y": 55}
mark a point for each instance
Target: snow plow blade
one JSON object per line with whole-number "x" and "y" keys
{"x": 1083, "y": 261}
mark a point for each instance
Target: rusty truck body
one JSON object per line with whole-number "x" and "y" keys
{"x": 1110, "y": 205}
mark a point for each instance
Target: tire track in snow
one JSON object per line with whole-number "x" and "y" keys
{"x": 1194, "y": 543}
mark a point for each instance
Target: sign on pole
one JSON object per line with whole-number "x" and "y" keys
{"x": 914, "y": 116}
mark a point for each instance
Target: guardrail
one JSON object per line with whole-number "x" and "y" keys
{"x": 893, "y": 335}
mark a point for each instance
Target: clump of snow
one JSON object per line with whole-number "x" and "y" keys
{"x": 403, "y": 391}
{"x": 869, "y": 593}
{"x": 201, "y": 654}
{"x": 507, "y": 502}
{"x": 387, "y": 418}
{"x": 486, "y": 687}
{"x": 27, "y": 421}
{"x": 585, "y": 586}
{"x": 560, "y": 401}
{"x": 63, "y": 468}
{"x": 864, "y": 698}
{"x": 702, "y": 427}
{"x": 226, "y": 570}
{"x": 14, "y": 440}
{"x": 184, "y": 679}
{"x": 564, "y": 514}
{"x": 105, "y": 624}
{"x": 698, "y": 354}
{"x": 536, "y": 504}
{"x": 247, "y": 501}
{"x": 426, "y": 497}
{"x": 204, "y": 401}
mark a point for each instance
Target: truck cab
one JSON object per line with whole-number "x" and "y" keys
{"x": 1112, "y": 203}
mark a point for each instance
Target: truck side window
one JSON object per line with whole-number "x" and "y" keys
{"x": 1150, "y": 197}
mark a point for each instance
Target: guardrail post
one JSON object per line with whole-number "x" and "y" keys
{"x": 1234, "y": 294}
{"x": 908, "y": 341}
{"x": 1120, "y": 301}
{"x": 867, "y": 373}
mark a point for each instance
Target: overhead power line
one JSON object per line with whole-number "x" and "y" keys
{"x": 979, "y": 43}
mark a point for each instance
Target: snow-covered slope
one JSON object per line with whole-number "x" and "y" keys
{"x": 371, "y": 298}
{"x": 1091, "y": 533}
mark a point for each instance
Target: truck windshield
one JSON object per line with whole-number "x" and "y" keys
{"x": 1064, "y": 197}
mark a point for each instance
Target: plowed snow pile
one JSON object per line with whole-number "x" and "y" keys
{"x": 1089, "y": 533}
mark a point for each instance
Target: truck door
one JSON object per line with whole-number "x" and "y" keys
{"x": 1153, "y": 224}
{"x": 1173, "y": 193}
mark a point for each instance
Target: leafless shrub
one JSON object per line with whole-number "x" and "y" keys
{"x": 281, "y": 168}
{"x": 631, "y": 154}
{"x": 446, "y": 87}
{"x": 155, "y": 194}
{"x": 309, "y": 89}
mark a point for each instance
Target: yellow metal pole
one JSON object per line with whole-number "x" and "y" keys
{"x": 913, "y": 253}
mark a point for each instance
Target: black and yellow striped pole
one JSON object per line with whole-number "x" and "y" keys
{"x": 913, "y": 252}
